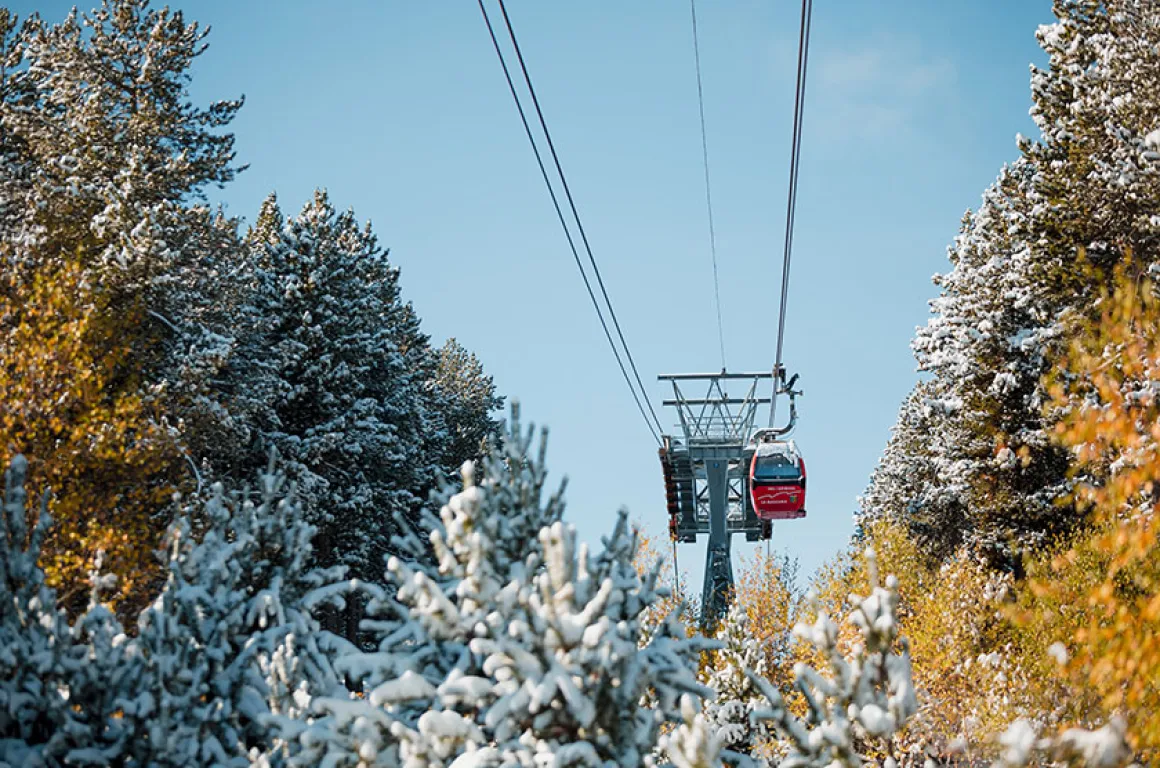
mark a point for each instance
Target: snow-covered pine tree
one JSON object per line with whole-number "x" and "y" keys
{"x": 98, "y": 104}
{"x": 15, "y": 165}
{"x": 101, "y": 674}
{"x": 906, "y": 486}
{"x": 1080, "y": 194}
{"x": 514, "y": 510}
{"x": 34, "y": 637}
{"x": 519, "y": 648}
{"x": 1105, "y": 747}
{"x": 692, "y": 744}
{"x": 98, "y": 113}
{"x": 465, "y": 399}
{"x": 1099, "y": 153}
{"x": 62, "y": 689}
{"x": 513, "y": 473}
{"x": 568, "y": 669}
{"x": 110, "y": 157}
{"x": 330, "y": 341}
{"x": 729, "y": 714}
{"x": 332, "y": 367}
{"x": 864, "y": 699}
{"x": 229, "y": 649}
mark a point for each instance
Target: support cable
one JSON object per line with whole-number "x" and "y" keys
{"x": 791, "y": 202}
{"x": 572, "y": 206}
{"x": 564, "y": 225}
{"x": 708, "y": 190}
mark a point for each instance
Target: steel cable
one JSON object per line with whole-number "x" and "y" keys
{"x": 791, "y": 202}
{"x": 708, "y": 189}
{"x": 564, "y": 224}
{"x": 572, "y": 206}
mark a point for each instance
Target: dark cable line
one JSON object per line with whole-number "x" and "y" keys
{"x": 563, "y": 223}
{"x": 708, "y": 192}
{"x": 791, "y": 202}
{"x": 572, "y": 205}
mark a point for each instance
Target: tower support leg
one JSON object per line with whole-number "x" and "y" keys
{"x": 718, "y": 587}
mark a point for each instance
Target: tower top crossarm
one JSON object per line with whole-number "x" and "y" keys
{"x": 716, "y": 418}
{"x": 706, "y": 376}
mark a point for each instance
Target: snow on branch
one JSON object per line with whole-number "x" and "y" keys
{"x": 1105, "y": 747}
{"x": 861, "y": 700}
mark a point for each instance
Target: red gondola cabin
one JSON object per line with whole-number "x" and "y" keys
{"x": 777, "y": 481}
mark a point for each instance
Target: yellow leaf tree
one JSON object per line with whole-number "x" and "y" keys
{"x": 650, "y": 556}
{"x": 766, "y": 588}
{"x": 1100, "y": 595}
{"x": 71, "y": 403}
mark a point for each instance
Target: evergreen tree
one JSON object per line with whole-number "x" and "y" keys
{"x": 518, "y": 650}
{"x": 465, "y": 399}
{"x": 866, "y": 697}
{"x": 692, "y": 743}
{"x": 230, "y": 647}
{"x": 730, "y": 714}
{"x": 101, "y": 673}
{"x": 1079, "y": 194}
{"x": 98, "y": 106}
{"x": 906, "y": 486}
{"x": 332, "y": 367}
{"x": 336, "y": 392}
{"x": 34, "y": 638}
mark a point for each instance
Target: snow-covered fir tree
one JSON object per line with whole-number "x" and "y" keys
{"x": 455, "y": 401}
{"x": 230, "y": 644}
{"x": 730, "y": 713}
{"x": 101, "y": 673}
{"x": 519, "y": 648}
{"x": 344, "y": 403}
{"x": 1078, "y": 195}
{"x": 65, "y": 689}
{"x": 514, "y": 473}
{"x": 1104, "y": 747}
{"x": 906, "y": 485}
{"x": 692, "y": 744}
{"x": 465, "y": 400}
{"x": 34, "y": 637}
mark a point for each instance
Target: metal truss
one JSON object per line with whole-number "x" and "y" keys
{"x": 709, "y": 470}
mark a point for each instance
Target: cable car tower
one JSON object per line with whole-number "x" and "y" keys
{"x": 706, "y": 470}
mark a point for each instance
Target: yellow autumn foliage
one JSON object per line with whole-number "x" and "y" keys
{"x": 968, "y": 657}
{"x": 1099, "y": 595}
{"x": 766, "y": 589}
{"x": 648, "y": 556}
{"x": 71, "y": 405}
{"x": 846, "y": 574}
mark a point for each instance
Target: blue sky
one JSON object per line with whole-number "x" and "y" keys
{"x": 400, "y": 110}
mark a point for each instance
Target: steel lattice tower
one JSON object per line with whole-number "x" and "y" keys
{"x": 706, "y": 475}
